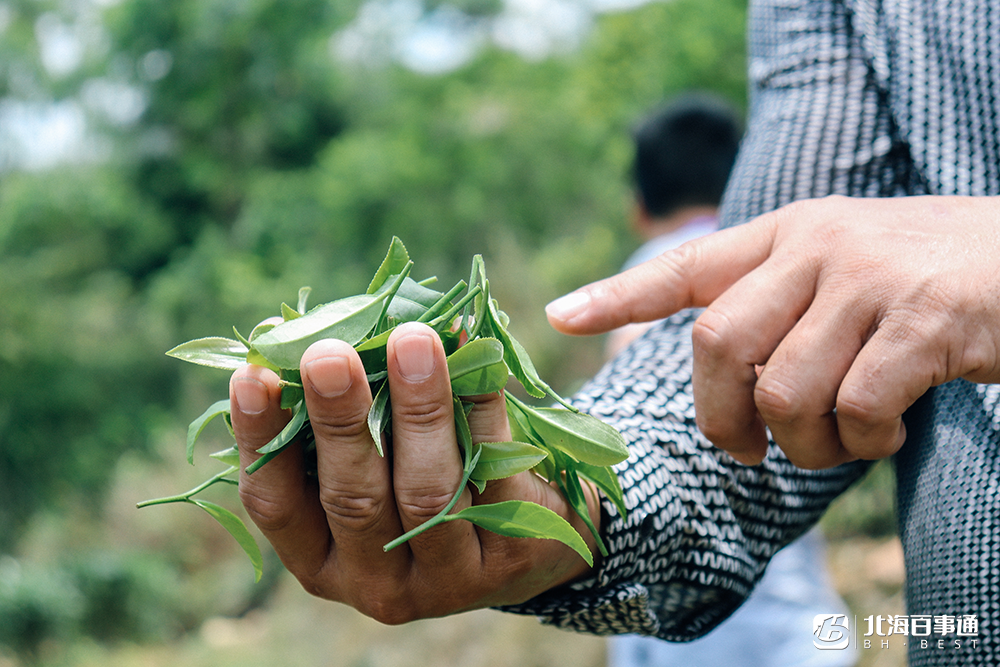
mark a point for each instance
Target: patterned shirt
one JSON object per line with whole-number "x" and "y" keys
{"x": 865, "y": 98}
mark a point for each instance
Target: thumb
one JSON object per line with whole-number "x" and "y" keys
{"x": 692, "y": 275}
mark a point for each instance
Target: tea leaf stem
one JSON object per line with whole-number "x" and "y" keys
{"x": 439, "y": 518}
{"x": 186, "y": 497}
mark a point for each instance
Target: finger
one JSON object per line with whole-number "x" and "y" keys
{"x": 488, "y": 419}
{"x": 692, "y": 275}
{"x": 355, "y": 486}
{"x": 796, "y": 393}
{"x": 278, "y": 497}
{"x": 488, "y": 422}
{"x": 739, "y": 331}
{"x": 896, "y": 366}
{"x": 427, "y": 463}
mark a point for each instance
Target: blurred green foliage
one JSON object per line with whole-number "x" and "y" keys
{"x": 260, "y": 164}
{"x": 105, "y": 596}
{"x": 868, "y": 508}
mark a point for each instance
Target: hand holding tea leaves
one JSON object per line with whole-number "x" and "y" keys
{"x": 431, "y": 527}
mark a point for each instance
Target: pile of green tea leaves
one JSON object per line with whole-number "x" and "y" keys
{"x": 560, "y": 444}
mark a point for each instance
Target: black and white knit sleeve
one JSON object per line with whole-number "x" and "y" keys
{"x": 700, "y": 527}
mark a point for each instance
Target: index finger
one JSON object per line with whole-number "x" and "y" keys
{"x": 692, "y": 275}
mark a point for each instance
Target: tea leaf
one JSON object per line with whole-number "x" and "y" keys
{"x": 385, "y": 320}
{"x": 520, "y": 364}
{"x": 487, "y": 380}
{"x": 303, "y": 298}
{"x": 471, "y": 322}
{"x": 395, "y": 259}
{"x": 580, "y": 435}
{"x": 287, "y": 434}
{"x": 504, "y": 459}
{"x": 528, "y": 372}
{"x": 514, "y": 354}
{"x": 519, "y": 518}
{"x": 547, "y": 469}
{"x": 520, "y": 429}
{"x": 349, "y": 319}
{"x": 478, "y": 368}
{"x": 411, "y": 301}
{"x": 234, "y": 525}
{"x": 379, "y": 415}
{"x": 215, "y": 352}
{"x": 198, "y": 425}
{"x": 463, "y": 434}
{"x": 373, "y": 353}
{"x": 240, "y": 337}
{"x": 257, "y": 359}
{"x": 571, "y": 488}
{"x": 474, "y": 355}
{"x": 607, "y": 481}
{"x": 489, "y": 318}
{"x": 291, "y": 394}
{"x": 443, "y": 323}
{"x": 230, "y": 456}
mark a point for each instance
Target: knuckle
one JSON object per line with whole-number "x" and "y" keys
{"x": 776, "y": 400}
{"x": 488, "y": 421}
{"x": 871, "y": 450}
{"x": 821, "y": 220}
{"x": 315, "y": 587}
{"x": 391, "y": 614}
{"x": 795, "y": 214}
{"x": 870, "y": 433}
{"x": 806, "y": 209}
{"x": 317, "y": 582}
{"x": 348, "y": 425}
{"x": 815, "y": 458}
{"x": 713, "y": 334}
{"x": 740, "y": 438}
{"x": 420, "y": 505}
{"x": 388, "y": 605}
{"x": 717, "y": 431}
{"x": 266, "y": 513}
{"x": 676, "y": 261}
{"x": 858, "y": 407}
{"x": 422, "y": 415}
{"x": 352, "y": 511}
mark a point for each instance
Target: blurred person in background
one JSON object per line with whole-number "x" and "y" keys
{"x": 684, "y": 152}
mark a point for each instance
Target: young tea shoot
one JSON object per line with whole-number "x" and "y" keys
{"x": 560, "y": 444}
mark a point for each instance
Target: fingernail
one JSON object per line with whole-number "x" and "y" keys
{"x": 330, "y": 376}
{"x": 251, "y": 395}
{"x": 567, "y": 307}
{"x": 415, "y": 356}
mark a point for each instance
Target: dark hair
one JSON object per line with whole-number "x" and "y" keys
{"x": 684, "y": 153}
